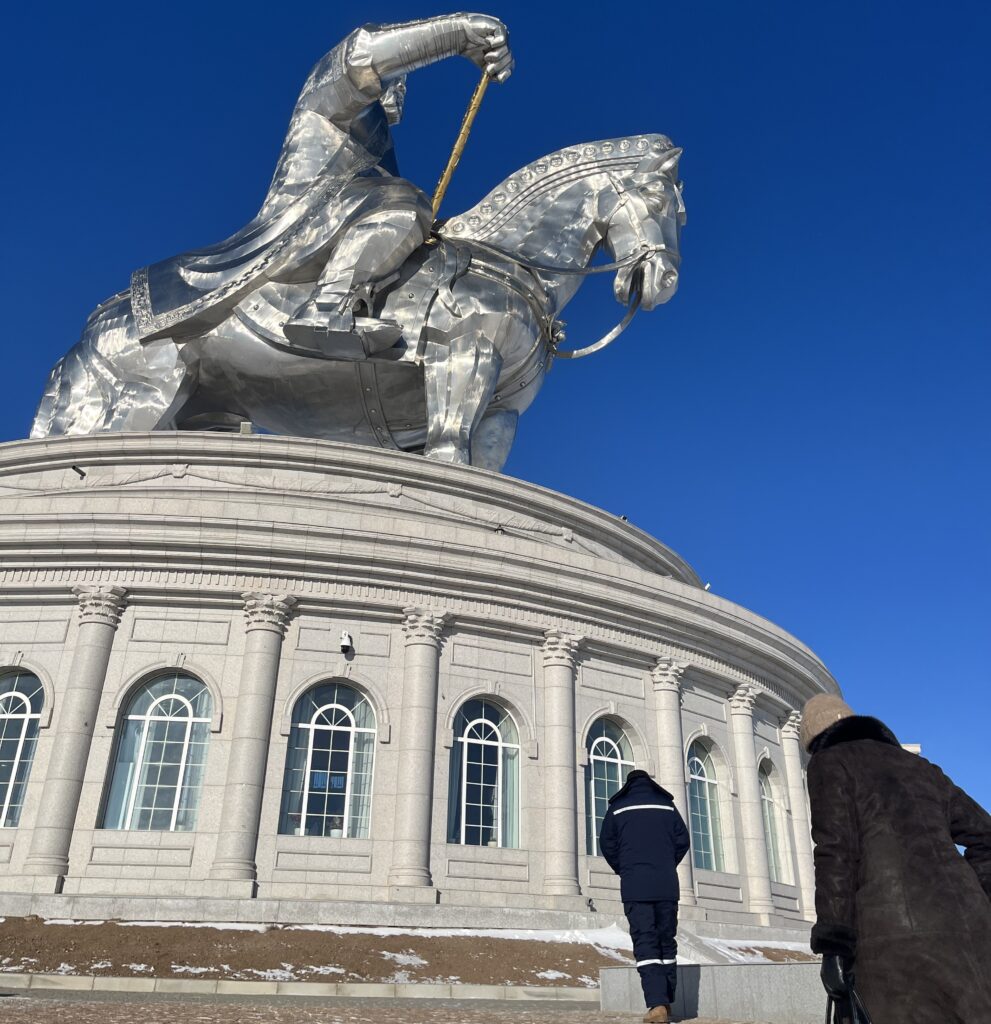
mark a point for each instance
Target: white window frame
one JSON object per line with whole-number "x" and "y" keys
{"x": 133, "y": 785}
{"x": 312, "y": 726}
{"x": 615, "y": 757}
{"x": 25, "y": 717}
{"x": 711, "y": 793}
{"x": 500, "y": 744}
{"x": 772, "y": 822}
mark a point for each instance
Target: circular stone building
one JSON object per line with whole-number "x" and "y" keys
{"x": 273, "y": 679}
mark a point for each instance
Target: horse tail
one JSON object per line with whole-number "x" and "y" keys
{"x": 45, "y": 414}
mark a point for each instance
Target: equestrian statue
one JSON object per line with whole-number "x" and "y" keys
{"x": 343, "y": 310}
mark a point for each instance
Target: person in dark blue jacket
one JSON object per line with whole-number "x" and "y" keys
{"x": 643, "y": 839}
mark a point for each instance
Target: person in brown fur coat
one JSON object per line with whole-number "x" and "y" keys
{"x": 898, "y": 908}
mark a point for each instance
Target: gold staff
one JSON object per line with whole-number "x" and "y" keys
{"x": 459, "y": 142}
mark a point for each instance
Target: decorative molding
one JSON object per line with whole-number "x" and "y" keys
{"x": 561, "y": 648}
{"x": 424, "y": 625}
{"x": 725, "y": 671}
{"x": 344, "y": 594}
{"x": 154, "y": 669}
{"x": 358, "y": 681}
{"x": 667, "y": 673}
{"x": 742, "y": 700}
{"x": 102, "y": 603}
{"x": 791, "y": 727}
{"x": 263, "y": 610}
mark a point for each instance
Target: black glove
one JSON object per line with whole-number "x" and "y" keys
{"x": 837, "y": 976}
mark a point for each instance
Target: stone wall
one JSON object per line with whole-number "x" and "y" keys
{"x": 241, "y": 559}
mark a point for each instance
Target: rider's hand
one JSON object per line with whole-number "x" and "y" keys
{"x": 487, "y": 45}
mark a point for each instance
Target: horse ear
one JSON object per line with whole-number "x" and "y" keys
{"x": 669, "y": 161}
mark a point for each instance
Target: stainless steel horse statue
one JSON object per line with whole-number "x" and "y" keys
{"x": 340, "y": 312}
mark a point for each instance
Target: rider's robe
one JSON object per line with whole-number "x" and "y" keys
{"x": 338, "y": 132}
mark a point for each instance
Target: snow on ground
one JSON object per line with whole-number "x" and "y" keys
{"x": 612, "y": 936}
{"x": 748, "y": 951}
{"x": 552, "y": 975}
{"x": 230, "y": 926}
{"x": 409, "y": 959}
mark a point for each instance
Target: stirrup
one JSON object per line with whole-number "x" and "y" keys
{"x": 343, "y": 336}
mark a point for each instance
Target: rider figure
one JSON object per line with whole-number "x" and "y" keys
{"x": 348, "y": 104}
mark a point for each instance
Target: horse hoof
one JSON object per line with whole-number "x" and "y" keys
{"x": 447, "y": 453}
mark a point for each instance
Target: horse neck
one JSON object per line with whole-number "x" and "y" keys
{"x": 559, "y": 228}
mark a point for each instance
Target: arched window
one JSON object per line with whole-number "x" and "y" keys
{"x": 327, "y": 786}
{"x": 769, "y": 809}
{"x": 610, "y": 758}
{"x": 160, "y": 757}
{"x": 484, "y": 787}
{"x": 703, "y": 805}
{"x": 21, "y": 698}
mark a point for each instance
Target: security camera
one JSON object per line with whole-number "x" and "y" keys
{"x": 347, "y": 644}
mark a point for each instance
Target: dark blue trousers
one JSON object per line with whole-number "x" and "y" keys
{"x": 653, "y": 927}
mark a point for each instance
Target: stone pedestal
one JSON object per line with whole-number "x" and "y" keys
{"x": 560, "y": 765}
{"x": 266, "y": 621}
{"x": 667, "y": 675}
{"x": 753, "y": 842}
{"x": 792, "y": 752}
{"x": 100, "y": 609}
{"x": 423, "y": 629}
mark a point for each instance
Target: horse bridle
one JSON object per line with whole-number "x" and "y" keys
{"x": 634, "y": 260}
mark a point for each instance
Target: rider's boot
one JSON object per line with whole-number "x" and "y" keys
{"x": 327, "y": 323}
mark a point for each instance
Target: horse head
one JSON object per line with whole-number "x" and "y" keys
{"x": 646, "y": 218}
{"x": 622, "y": 195}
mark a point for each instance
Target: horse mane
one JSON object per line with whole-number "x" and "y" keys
{"x": 547, "y": 176}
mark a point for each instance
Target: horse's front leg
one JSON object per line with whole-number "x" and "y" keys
{"x": 460, "y": 373}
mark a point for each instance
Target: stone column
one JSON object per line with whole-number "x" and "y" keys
{"x": 560, "y": 765}
{"x": 417, "y": 748}
{"x": 792, "y": 751}
{"x": 266, "y": 621}
{"x": 741, "y": 705}
{"x": 100, "y": 609}
{"x": 667, "y": 674}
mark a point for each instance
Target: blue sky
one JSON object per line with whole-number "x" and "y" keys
{"x": 807, "y": 421}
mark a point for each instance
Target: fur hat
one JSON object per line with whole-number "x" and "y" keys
{"x": 819, "y": 713}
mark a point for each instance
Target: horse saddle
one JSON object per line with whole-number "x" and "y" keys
{"x": 397, "y": 336}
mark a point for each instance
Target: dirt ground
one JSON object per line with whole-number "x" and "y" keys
{"x": 29, "y": 945}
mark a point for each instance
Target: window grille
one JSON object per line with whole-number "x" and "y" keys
{"x": 160, "y": 757}
{"x": 483, "y": 800}
{"x": 327, "y": 787}
{"x": 703, "y": 806}
{"x": 21, "y": 700}
{"x": 610, "y": 759}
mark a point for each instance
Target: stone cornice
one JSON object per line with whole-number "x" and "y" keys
{"x": 424, "y": 625}
{"x": 184, "y": 457}
{"x": 100, "y": 603}
{"x": 267, "y": 611}
{"x": 561, "y": 648}
{"x": 286, "y": 533}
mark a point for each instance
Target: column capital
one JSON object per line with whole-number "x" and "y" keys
{"x": 100, "y": 603}
{"x": 424, "y": 625}
{"x": 561, "y": 648}
{"x": 791, "y": 726}
{"x": 667, "y": 673}
{"x": 742, "y": 700}
{"x": 263, "y": 610}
